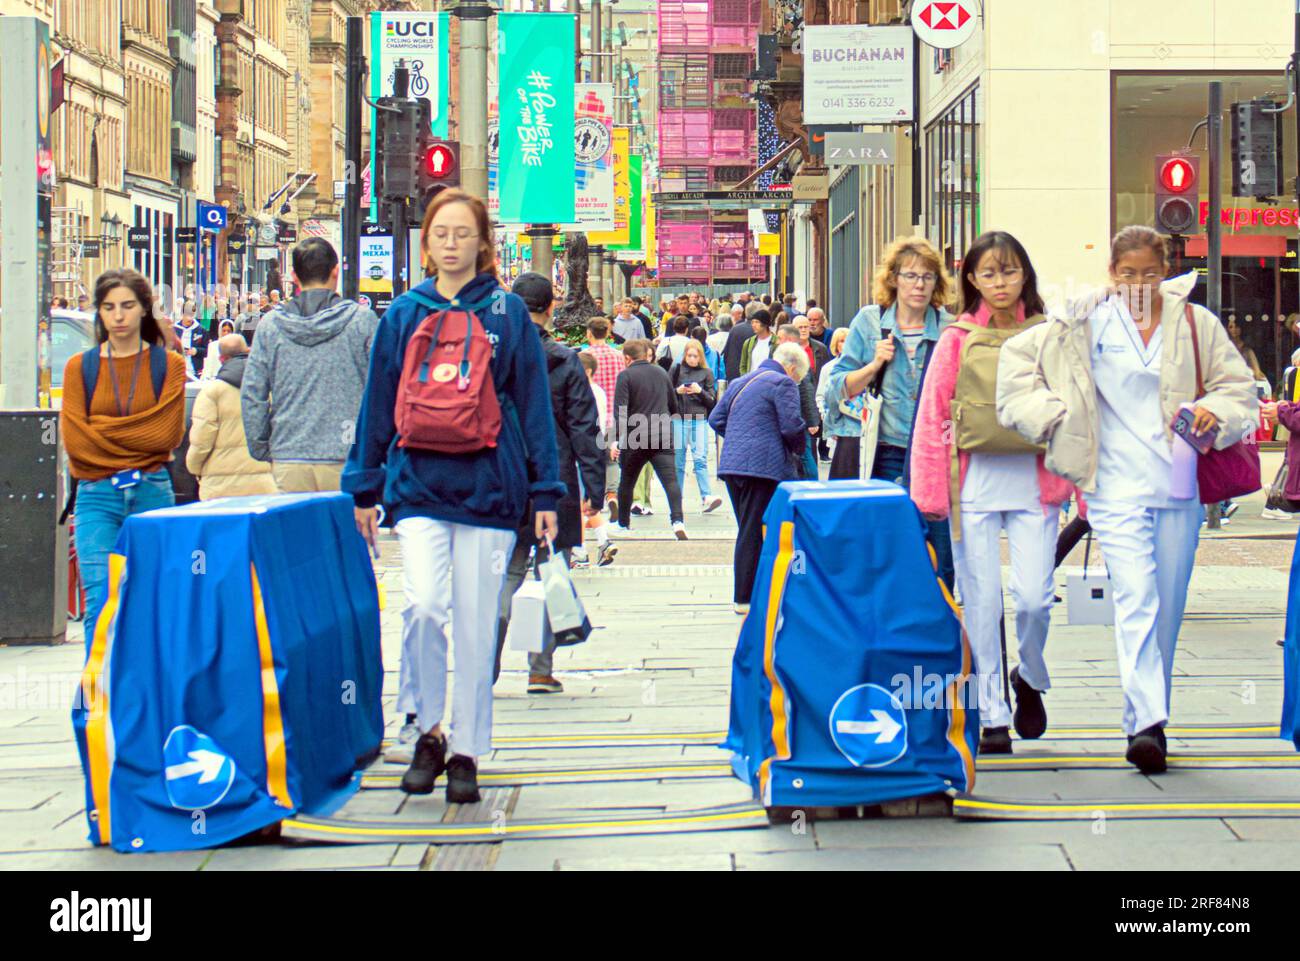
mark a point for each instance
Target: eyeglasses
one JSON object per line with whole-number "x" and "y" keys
{"x": 460, "y": 234}
{"x": 1010, "y": 275}
{"x": 911, "y": 277}
{"x": 1150, "y": 277}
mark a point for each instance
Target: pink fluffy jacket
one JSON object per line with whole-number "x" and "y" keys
{"x": 932, "y": 439}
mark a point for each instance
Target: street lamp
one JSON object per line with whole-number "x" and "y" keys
{"x": 110, "y": 229}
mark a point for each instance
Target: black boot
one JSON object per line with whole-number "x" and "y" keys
{"x": 1031, "y": 716}
{"x": 462, "y": 780}
{"x": 1147, "y": 749}
{"x": 995, "y": 740}
{"x": 429, "y": 761}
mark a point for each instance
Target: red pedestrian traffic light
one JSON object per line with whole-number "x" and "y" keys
{"x": 1177, "y": 175}
{"x": 1177, "y": 192}
{"x": 439, "y": 161}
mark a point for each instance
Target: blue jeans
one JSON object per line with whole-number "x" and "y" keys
{"x": 888, "y": 466}
{"x": 692, "y": 432}
{"x": 100, "y": 513}
{"x": 809, "y": 459}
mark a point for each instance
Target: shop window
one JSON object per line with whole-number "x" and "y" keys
{"x": 952, "y": 152}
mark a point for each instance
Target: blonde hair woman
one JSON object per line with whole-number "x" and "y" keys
{"x": 911, "y": 290}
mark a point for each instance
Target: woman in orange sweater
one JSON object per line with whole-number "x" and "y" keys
{"x": 123, "y": 415}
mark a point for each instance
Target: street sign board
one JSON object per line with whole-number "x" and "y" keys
{"x": 187, "y": 235}
{"x": 724, "y": 199}
{"x": 90, "y": 249}
{"x": 235, "y": 246}
{"x": 137, "y": 238}
{"x": 857, "y": 74}
{"x": 211, "y": 216}
{"x": 811, "y": 186}
{"x": 860, "y": 148}
{"x": 944, "y": 25}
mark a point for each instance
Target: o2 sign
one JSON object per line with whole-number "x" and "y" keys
{"x": 211, "y": 216}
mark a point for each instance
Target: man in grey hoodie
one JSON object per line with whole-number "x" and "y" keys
{"x": 305, "y": 376}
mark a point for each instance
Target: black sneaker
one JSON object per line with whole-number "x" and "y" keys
{"x": 462, "y": 780}
{"x": 429, "y": 761}
{"x": 995, "y": 740}
{"x": 1031, "y": 716}
{"x": 1147, "y": 749}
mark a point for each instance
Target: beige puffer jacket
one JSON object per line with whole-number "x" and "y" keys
{"x": 218, "y": 454}
{"x": 1046, "y": 392}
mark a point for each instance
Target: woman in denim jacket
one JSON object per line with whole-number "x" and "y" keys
{"x": 911, "y": 288}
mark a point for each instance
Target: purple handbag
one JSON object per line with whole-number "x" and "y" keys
{"x": 1233, "y": 471}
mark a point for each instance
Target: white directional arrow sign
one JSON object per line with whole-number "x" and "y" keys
{"x": 206, "y": 764}
{"x": 884, "y": 727}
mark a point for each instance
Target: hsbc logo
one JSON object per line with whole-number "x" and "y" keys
{"x": 944, "y": 16}
{"x": 944, "y": 25}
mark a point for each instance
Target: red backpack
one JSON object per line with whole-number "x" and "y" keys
{"x": 446, "y": 401}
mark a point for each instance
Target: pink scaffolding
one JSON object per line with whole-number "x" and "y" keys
{"x": 707, "y": 135}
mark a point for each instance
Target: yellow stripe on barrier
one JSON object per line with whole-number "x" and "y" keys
{"x": 592, "y": 775}
{"x": 1261, "y": 730}
{"x": 277, "y": 775}
{"x": 1089, "y": 807}
{"x": 707, "y": 736}
{"x": 94, "y": 691}
{"x": 342, "y": 829}
{"x": 957, "y": 690}
{"x": 780, "y": 711}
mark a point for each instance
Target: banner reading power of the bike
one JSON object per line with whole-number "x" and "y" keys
{"x": 421, "y": 40}
{"x": 535, "y": 139}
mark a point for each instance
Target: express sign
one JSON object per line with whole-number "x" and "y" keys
{"x": 944, "y": 25}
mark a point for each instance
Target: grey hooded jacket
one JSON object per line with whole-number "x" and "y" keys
{"x": 305, "y": 377}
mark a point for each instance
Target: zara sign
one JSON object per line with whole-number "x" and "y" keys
{"x": 846, "y": 148}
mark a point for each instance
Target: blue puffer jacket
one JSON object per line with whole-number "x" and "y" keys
{"x": 486, "y": 488}
{"x": 761, "y": 423}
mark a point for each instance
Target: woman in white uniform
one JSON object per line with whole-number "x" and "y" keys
{"x": 1101, "y": 386}
{"x": 985, "y": 480}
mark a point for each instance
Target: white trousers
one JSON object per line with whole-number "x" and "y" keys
{"x": 977, "y": 558}
{"x": 1149, "y": 554}
{"x": 476, "y": 559}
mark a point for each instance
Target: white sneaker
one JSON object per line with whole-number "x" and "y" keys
{"x": 638, "y": 509}
{"x": 740, "y": 608}
{"x": 402, "y": 751}
{"x": 680, "y": 530}
{"x": 647, "y": 510}
{"x": 712, "y": 504}
{"x": 1273, "y": 514}
{"x": 618, "y": 530}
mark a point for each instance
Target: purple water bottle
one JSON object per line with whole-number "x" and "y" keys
{"x": 1182, "y": 481}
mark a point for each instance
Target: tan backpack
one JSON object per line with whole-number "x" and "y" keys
{"x": 974, "y": 402}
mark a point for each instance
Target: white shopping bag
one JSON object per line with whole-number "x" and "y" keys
{"x": 1088, "y": 596}
{"x": 528, "y": 618}
{"x": 870, "y": 432}
{"x": 563, "y": 609}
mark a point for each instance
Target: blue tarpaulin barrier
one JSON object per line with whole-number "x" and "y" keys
{"x": 1290, "y": 726}
{"x": 852, "y": 680}
{"x": 235, "y": 674}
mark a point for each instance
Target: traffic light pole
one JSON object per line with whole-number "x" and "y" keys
{"x": 1213, "y": 226}
{"x": 356, "y": 71}
{"x": 1214, "y": 231}
{"x": 473, "y": 97}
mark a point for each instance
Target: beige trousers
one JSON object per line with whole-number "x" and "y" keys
{"x": 295, "y": 477}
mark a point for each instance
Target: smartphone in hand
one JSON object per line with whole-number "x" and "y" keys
{"x": 1182, "y": 426}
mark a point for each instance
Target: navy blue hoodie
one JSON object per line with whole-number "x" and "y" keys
{"x": 487, "y": 488}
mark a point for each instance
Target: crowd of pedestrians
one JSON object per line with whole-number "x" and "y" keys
{"x": 993, "y": 415}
